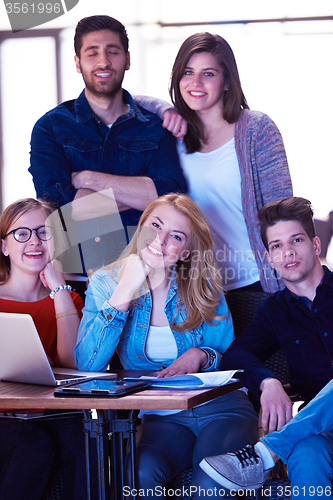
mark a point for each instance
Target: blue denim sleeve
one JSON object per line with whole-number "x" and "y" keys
{"x": 100, "y": 327}
{"x": 248, "y": 352}
{"x": 172, "y": 180}
{"x": 164, "y": 168}
{"x": 49, "y": 167}
{"x": 219, "y": 336}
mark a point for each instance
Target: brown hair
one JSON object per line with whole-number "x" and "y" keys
{"x": 286, "y": 209}
{"x": 233, "y": 99}
{"x": 99, "y": 23}
{"x": 198, "y": 279}
{"x": 7, "y": 219}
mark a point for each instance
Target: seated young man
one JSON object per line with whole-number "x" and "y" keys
{"x": 298, "y": 320}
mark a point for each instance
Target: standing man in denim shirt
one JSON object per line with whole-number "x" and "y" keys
{"x": 102, "y": 141}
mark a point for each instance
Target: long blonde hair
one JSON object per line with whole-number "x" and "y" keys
{"x": 199, "y": 285}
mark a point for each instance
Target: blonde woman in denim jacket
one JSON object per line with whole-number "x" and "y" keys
{"x": 161, "y": 306}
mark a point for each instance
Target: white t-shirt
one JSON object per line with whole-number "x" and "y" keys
{"x": 160, "y": 346}
{"x": 215, "y": 185}
{"x": 159, "y": 340}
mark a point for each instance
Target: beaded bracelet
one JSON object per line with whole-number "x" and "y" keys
{"x": 61, "y": 287}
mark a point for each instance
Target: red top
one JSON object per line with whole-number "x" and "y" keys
{"x": 43, "y": 314}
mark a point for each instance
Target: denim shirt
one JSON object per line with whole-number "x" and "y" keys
{"x": 71, "y": 138}
{"x": 103, "y": 329}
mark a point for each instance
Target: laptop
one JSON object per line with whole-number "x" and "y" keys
{"x": 23, "y": 359}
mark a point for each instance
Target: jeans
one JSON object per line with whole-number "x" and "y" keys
{"x": 28, "y": 448}
{"x": 166, "y": 445}
{"x": 305, "y": 444}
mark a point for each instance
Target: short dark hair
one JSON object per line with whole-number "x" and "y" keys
{"x": 233, "y": 99}
{"x": 286, "y": 209}
{"x": 99, "y": 23}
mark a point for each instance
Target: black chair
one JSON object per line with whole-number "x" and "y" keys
{"x": 54, "y": 487}
{"x": 243, "y": 307}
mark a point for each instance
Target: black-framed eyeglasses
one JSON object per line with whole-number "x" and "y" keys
{"x": 23, "y": 234}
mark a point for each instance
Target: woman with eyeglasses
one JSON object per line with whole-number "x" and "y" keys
{"x": 30, "y": 283}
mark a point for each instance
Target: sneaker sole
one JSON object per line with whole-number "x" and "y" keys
{"x": 222, "y": 480}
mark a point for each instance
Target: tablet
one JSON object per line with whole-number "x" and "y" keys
{"x": 101, "y": 388}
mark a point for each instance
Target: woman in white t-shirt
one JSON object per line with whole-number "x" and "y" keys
{"x": 233, "y": 158}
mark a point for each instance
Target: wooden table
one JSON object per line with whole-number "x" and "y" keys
{"x": 25, "y": 396}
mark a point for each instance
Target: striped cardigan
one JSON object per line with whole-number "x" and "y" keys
{"x": 265, "y": 177}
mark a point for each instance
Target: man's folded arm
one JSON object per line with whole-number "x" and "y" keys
{"x": 129, "y": 192}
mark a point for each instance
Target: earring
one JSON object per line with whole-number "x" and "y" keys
{"x": 5, "y": 254}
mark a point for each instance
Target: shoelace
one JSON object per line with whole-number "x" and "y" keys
{"x": 247, "y": 455}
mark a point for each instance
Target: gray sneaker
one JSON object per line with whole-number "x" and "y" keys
{"x": 241, "y": 470}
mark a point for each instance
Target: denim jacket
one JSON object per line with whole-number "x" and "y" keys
{"x": 103, "y": 329}
{"x": 71, "y": 138}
